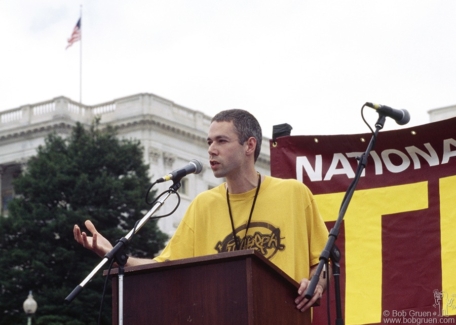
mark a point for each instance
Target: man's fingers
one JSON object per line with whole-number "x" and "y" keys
{"x": 94, "y": 241}
{"x": 307, "y": 303}
{"x": 84, "y": 239}
{"x": 302, "y": 303}
{"x": 76, "y": 233}
{"x": 303, "y": 286}
{"x": 90, "y": 227}
{"x": 78, "y": 236}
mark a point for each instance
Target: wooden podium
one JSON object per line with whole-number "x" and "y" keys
{"x": 233, "y": 288}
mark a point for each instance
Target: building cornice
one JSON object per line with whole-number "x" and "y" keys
{"x": 141, "y": 111}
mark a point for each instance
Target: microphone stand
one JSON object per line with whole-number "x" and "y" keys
{"x": 335, "y": 258}
{"x": 334, "y": 232}
{"x": 119, "y": 256}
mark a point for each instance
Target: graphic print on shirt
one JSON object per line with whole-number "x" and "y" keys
{"x": 263, "y": 237}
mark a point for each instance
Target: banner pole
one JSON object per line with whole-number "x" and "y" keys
{"x": 80, "y": 59}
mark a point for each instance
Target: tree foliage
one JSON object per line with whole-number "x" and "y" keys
{"x": 89, "y": 175}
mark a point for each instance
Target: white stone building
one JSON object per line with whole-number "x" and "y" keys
{"x": 171, "y": 135}
{"x": 442, "y": 113}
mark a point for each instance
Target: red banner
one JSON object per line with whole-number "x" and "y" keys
{"x": 398, "y": 236}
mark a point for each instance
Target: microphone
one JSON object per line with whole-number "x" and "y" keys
{"x": 401, "y": 116}
{"x": 194, "y": 166}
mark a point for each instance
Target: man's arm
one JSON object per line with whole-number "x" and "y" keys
{"x": 135, "y": 261}
{"x": 100, "y": 245}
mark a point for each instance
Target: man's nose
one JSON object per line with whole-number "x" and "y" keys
{"x": 211, "y": 150}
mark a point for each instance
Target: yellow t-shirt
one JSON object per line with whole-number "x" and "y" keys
{"x": 286, "y": 226}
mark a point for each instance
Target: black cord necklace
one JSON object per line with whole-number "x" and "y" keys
{"x": 236, "y": 240}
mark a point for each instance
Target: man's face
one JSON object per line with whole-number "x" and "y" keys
{"x": 226, "y": 155}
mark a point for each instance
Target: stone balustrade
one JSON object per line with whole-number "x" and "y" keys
{"x": 127, "y": 107}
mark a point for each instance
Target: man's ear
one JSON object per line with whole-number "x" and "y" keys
{"x": 251, "y": 144}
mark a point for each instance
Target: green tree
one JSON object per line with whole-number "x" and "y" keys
{"x": 89, "y": 175}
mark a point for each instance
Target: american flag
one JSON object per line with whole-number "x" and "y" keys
{"x": 76, "y": 34}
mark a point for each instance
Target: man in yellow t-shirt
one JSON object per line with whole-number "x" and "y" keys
{"x": 278, "y": 218}
{"x": 289, "y": 232}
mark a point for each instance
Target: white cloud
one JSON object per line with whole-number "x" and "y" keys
{"x": 310, "y": 64}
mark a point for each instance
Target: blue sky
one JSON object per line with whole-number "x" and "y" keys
{"x": 311, "y": 64}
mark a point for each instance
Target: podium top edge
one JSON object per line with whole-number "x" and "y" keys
{"x": 206, "y": 259}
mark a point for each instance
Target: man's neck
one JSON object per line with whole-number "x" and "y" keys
{"x": 242, "y": 183}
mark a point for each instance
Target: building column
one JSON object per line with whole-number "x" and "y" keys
{"x": 1, "y": 191}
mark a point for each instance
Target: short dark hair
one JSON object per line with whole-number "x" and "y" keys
{"x": 246, "y": 126}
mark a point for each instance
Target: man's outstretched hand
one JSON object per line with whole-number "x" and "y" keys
{"x": 96, "y": 243}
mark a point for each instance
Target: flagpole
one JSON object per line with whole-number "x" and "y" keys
{"x": 80, "y": 62}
